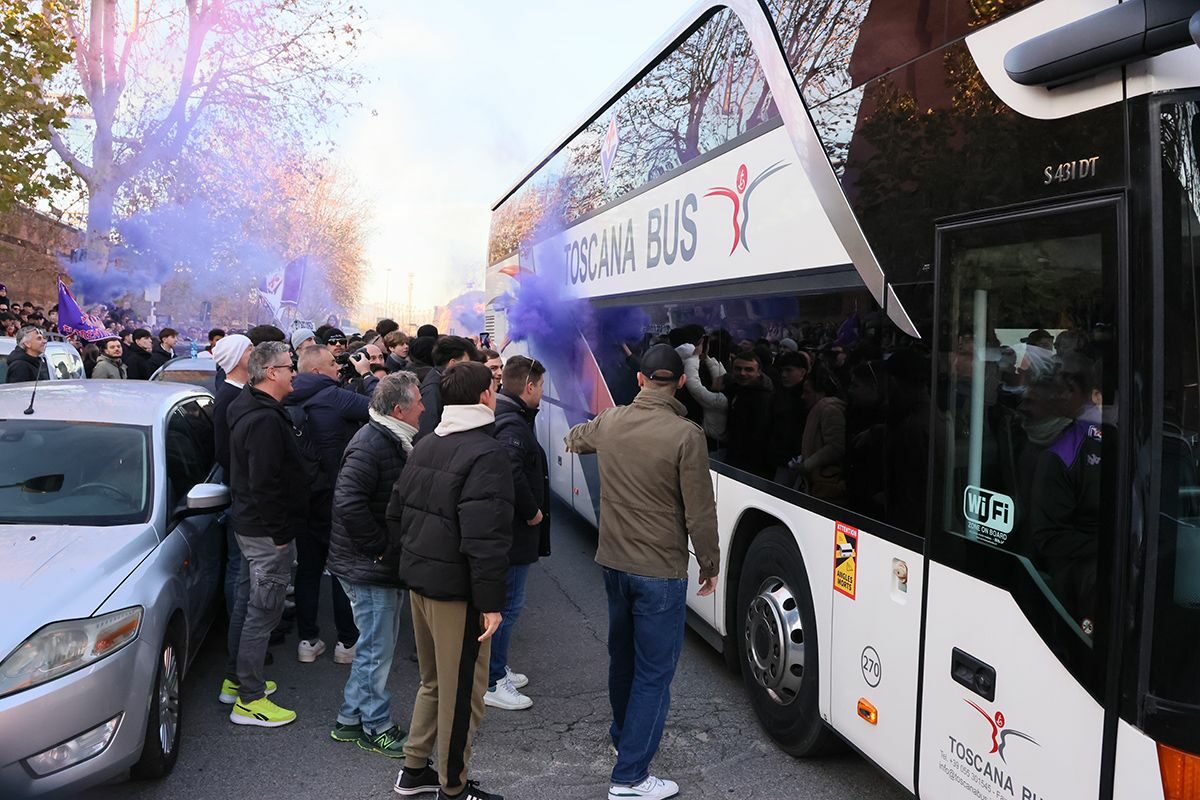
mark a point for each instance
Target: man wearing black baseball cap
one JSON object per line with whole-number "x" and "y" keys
{"x": 657, "y": 493}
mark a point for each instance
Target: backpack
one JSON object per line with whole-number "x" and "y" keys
{"x": 318, "y": 479}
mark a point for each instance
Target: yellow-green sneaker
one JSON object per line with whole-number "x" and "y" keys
{"x": 229, "y": 691}
{"x": 261, "y": 712}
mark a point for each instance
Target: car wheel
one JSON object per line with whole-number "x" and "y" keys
{"x": 777, "y": 643}
{"x": 161, "y": 747}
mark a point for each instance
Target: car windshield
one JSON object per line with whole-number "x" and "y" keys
{"x": 73, "y": 473}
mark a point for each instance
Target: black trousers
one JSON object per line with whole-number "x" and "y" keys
{"x": 312, "y": 550}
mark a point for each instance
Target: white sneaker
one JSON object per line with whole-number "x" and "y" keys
{"x": 504, "y": 695}
{"x": 307, "y": 652}
{"x": 343, "y": 654}
{"x": 518, "y": 680}
{"x": 652, "y": 788}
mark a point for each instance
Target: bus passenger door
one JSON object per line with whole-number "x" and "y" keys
{"x": 1022, "y": 512}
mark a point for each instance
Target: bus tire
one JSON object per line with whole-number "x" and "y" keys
{"x": 777, "y": 644}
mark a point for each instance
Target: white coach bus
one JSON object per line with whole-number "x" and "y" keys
{"x": 980, "y": 219}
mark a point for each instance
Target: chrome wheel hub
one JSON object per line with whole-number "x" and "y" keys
{"x": 774, "y": 645}
{"x": 168, "y": 700}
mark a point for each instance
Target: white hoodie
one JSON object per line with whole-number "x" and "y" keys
{"x": 714, "y": 404}
{"x": 456, "y": 419}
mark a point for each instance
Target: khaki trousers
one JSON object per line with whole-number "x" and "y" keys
{"x": 454, "y": 676}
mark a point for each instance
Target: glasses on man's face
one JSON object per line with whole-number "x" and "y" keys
{"x": 288, "y": 366}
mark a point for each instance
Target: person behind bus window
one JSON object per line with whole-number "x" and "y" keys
{"x": 866, "y": 439}
{"x": 823, "y": 450}
{"x": 908, "y": 410}
{"x": 748, "y": 425}
{"x": 788, "y": 413}
{"x": 1039, "y": 354}
{"x": 1066, "y": 494}
{"x": 701, "y": 394}
{"x": 688, "y": 343}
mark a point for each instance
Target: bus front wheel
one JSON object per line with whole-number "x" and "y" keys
{"x": 777, "y": 644}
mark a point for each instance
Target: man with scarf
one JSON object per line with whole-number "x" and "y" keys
{"x": 365, "y": 557}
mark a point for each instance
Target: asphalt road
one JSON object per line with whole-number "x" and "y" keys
{"x": 559, "y": 749}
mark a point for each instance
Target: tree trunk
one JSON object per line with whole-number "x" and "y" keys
{"x": 102, "y": 192}
{"x": 100, "y": 224}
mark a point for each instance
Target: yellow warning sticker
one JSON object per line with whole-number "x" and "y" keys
{"x": 845, "y": 559}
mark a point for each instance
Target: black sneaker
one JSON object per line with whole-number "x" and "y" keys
{"x": 472, "y": 792}
{"x": 417, "y": 781}
{"x": 388, "y": 743}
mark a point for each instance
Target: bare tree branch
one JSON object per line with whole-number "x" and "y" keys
{"x": 84, "y": 171}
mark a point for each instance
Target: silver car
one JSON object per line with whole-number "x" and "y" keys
{"x": 110, "y": 566}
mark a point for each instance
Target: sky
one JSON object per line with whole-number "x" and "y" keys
{"x": 461, "y": 99}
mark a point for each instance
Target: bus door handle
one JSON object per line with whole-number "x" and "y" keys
{"x": 973, "y": 674}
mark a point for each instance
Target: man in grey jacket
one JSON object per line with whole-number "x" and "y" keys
{"x": 110, "y": 365}
{"x": 656, "y": 493}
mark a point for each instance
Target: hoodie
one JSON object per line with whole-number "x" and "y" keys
{"x": 267, "y": 470}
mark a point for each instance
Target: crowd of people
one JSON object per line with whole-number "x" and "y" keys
{"x": 424, "y": 484}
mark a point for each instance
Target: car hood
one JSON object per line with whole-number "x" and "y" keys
{"x": 56, "y": 572}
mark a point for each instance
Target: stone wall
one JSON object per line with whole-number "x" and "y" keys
{"x": 33, "y": 252}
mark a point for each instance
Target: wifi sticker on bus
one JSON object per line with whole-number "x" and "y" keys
{"x": 990, "y": 515}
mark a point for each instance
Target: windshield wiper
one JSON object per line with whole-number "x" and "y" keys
{"x": 40, "y": 484}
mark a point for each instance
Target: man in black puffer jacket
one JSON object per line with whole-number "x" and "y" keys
{"x": 516, "y": 409}
{"x": 365, "y": 558}
{"x": 452, "y": 508}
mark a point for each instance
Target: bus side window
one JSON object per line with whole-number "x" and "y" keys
{"x": 817, "y": 393}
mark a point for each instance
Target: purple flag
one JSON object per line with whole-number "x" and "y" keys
{"x": 293, "y": 281}
{"x": 73, "y": 322}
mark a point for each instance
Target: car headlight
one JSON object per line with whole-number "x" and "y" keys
{"x": 63, "y": 647}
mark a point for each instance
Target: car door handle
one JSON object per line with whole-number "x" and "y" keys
{"x": 972, "y": 673}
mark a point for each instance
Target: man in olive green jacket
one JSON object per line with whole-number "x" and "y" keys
{"x": 109, "y": 365}
{"x": 655, "y": 493}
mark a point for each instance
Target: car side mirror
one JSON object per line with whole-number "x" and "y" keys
{"x": 205, "y": 498}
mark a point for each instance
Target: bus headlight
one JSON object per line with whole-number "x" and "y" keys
{"x": 63, "y": 647}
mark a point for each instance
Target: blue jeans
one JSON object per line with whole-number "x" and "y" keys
{"x": 514, "y": 601}
{"x": 366, "y": 698}
{"x": 645, "y": 636}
